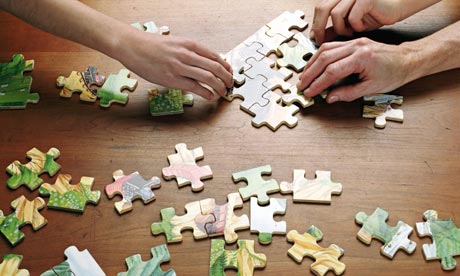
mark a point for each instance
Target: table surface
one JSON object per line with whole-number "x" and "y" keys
{"x": 405, "y": 168}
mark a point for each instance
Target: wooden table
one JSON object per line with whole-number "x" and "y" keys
{"x": 406, "y": 168}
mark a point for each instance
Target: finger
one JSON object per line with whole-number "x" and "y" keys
{"x": 349, "y": 93}
{"x": 357, "y": 14}
{"x": 323, "y": 48}
{"x": 339, "y": 16}
{"x": 206, "y": 77}
{"x": 194, "y": 87}
{"x": 322, "y": 13}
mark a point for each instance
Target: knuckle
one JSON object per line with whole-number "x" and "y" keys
{"x": 331, "y": 71}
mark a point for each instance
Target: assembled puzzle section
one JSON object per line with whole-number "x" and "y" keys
{"x": 111, "y": 91}
{"x": 131, "y": 187}
{"x": 10, "y": 266}
{"x": 137, "y": 267}
{"x": 445, "y": 236}
{"x": 244, "y": 259}
{"x": 393, "y": 238}
{"x": 80, "y": 82}
{"x": 285, "y": 22}
{"x": 67, "y": 197}
{"x": 382, "y": 111}
{"x": 26, "y": 212}
{"x": 294, "y": 96}
{"x": 318, "y": 190}
{"x": 168, "y": 103}
{"x": 257, "y": 185}
{"x": 184, "y": 169}
{"x": 262, "y": 219}
{"x": 78, "y": 263}
{"x": 305, "y": 244}
{"x": 28, "y": 174}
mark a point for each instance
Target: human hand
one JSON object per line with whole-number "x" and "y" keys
{"x": 381, "y": 68}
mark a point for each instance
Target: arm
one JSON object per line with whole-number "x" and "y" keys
{"x": 166, "y": 60}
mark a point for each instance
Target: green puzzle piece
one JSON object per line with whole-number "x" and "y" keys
{"x": 15, "y": 68}
{"x": 257, "y": 186}
{"x": 137, "y": 267}
{"x": 110, "y": 92}
{"x": 168, "y": 103}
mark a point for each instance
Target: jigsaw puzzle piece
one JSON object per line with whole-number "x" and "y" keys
{"x": 238, "y": 56}
{"x": 151, "y": 27}
{"x": 270, "y": 43}
{"x": 285, "y": 22}
{"x": 110, "y": 92}
{"x": 28, "y": 174}
{"x": 244, "y": 259}
{"x": 68, "y": 197}
{"x": 78, "y": 263}
{"x": 168, "y": 103}
{"x": 136, "y": 267}
{"x": 393, "y": 238}
{"x": 15, "y": 94}
{"x": 76, "y": 83}
{"x": 295, "y": 97}
{"x": 251, "y": 93}
{"x": 382, "y": 110}
{"x": 265, "y": 67}
{"x": 131, "y": 187}
{"x": 318, "y": 190}
{"x": 10, "y": 266}
{"x": 92, "y": 77}
{"x": 262, "y": 219}
{"x": 15, "y": 68}
{"x": 294, "y": 57}
{"x": 306, "y": 245}
{"x": 445, "y": 236}
{"x": 257, "y": 186}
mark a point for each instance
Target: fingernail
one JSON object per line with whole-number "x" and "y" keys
{"x": 332, "y": 99}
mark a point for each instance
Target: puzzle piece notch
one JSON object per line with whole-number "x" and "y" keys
{"x": 10, "y": 266}
{"x": 28, "y": 174}
{"x": 237, "y": 59}
{"x": 26, "y": 212}
{"x": 306, "y": 245}
{"x": 295, "y": 57}
{"x": 131, "y": 187}
{"x": 265, "y": 67}
{"x": 295, "y": 97}
{"x": 67, "y": 197}
{"x": 78, "y": 263}
{"x": 244, "y": 259}
{"x": 169, "y": 103}
{"x": 393, "y": 238}
{"x": 262, "y": 219}
{"x": 318, "y": 190}
{"x": 110, "y": 92}
{"x": 445, "y": 236}
{"x": 160, "y": 254}
{"x": 382, "y": 110}
{"x": 151, "y": 27}
{"x": 257, "y": 185}
{"x": 285, "y": 22}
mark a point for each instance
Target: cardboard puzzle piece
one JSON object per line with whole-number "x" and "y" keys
{"x": 131, "y": 187}
{"x": 274, "y": 115}
{"x": 306, "y": 245}
{"x": 257, "y": 186}
{"x": 92, "y": 77}
{"x": 136, "y": 266}
{"x": 251, "y": 93}
{"x": 15, "y": 68}
{"x": 294, "y": 57}
{"x": 110, "y": 92}
{"x": 265, "y": 67}
{"x": 293, "y": 96}
{"x": 445, "y": 236}
{"x": 28, "y": 174}
{"x": 270, "y": 43}
{"x": 285, "y": 22}
{"x": 10, "y": 266}
{"x": 224, "y": 221}
{"x": 78, "y": 263}
{"x": 168, "y": 103}
{"x": 26, "y": 212}
{"x": 393, "y": 238}
{"x": 382, "y": 110}
{"x": 318, "y": 190}
{"x": 237, "y": 59}
{"x": 262, "y": 219}
{"x": 75, "y": 83}
{"x": 244, "y": 259}
{"x": 151, "y": 27}
{"x": 74, "y": 198}
{"x": 183, "y": 167}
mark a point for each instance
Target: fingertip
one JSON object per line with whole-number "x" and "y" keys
{"x": 332, "y": 99}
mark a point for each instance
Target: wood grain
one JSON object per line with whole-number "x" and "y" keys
{"x": 405, "y": 168}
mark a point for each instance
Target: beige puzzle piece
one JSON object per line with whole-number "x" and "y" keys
{"x": 293, "y": 57}
{"x": 237, "y": 59}
{"x": 75, "y": 84}
{"x": 265, "y": 67}
{"x": 382, "y": 110}
{"x": 295, "y": 97}
{"x": 251, "y": 93}
{"x": 270, "y": 43}
{"x": 285, "y": 22}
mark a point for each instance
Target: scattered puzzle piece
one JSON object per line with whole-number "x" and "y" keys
{"x": 10, "y": 266}
{"x": 257, "y": 186}
{"x": 92, "y": 77}
{"x": 70, "y": 197}
{"x": 151, "y": 27}
{"x": 168, "y": 103}
{"x": 110, "y": 92}
{"x": 244, "y": 259}
{"x": 285, "y": 22}
{"x": 238, "y": 56}
{"x": 445, "y": 236}
{"x": 152, "y": 267}
{"x": 393, "y": 238}
{"x": 295, "y": 97}
{"x": 306, "y": 245}
{"x": 131, "y": 187}
{"x": 294, "y": 57}
{"x": 26, "y": 212}
{"x": 262, "y": 219}
{"x": 318, "y": 190}
{"x": 75, "y": 83}
{"x": 16, "y": 67}
{"x": 382, "y": 110}
{"x": 78, "y": 263}
{"x": 183, "y": 167}
{"x": 28, "y": 174}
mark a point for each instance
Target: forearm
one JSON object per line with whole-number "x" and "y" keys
{"x": 410, "y": 7}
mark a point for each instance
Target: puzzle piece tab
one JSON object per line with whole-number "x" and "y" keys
{"x": 251, "y": 93}
{"x": 68, "y": 197}
{"x": 306, "y": 245}
{"x": 294, "y": 57}
{"x": 10, "y": 266}
{"x": 257, "y": 186}
{"x": 78, "y": 263}
{"x": 28, "y": 174}
{"x": 238, "y": 56}
{"x": 265, "y": 67}
{"x": 382, "y": 110}
{"x": 270, "y": 43}
{"x": 131, "y": 187}
{"x": 318, "y": 190}
{"x": 138, "y": 267}
{"x": 244, "y": 259}
{"x": 393, "y": 238}
{"x": 168, "y": 103}
{"x": 262, "y": 219}
{"x": 285, "y": 22}
{"x": 445, "y": 236}
{"x": 26, "y": 212}
{"x": 110, "y": 92}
